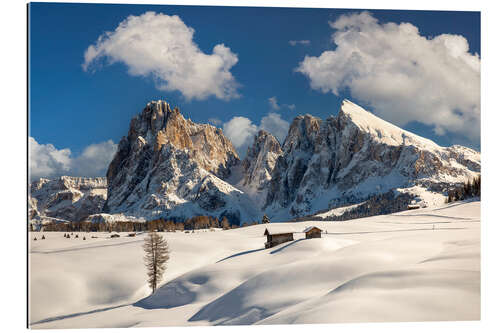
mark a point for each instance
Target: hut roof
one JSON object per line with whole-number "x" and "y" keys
{"x": 278, "y": 229}
{"x": 311, "y": 228}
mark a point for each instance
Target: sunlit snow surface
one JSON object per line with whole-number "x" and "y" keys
{"x": 417, "y": 265}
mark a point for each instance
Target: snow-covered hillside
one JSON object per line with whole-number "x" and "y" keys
{"x": 410, "y": 266}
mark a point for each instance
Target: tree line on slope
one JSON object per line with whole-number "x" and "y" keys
{"x": 469, "y": 189}
{"x": 376, "y": 204}
{"x": 160, "y": 224}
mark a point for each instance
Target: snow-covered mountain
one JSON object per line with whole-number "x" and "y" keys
{"x": 346, "y": 159}
{"x": 65, "y": 199}
{"x": 170, "y": 167}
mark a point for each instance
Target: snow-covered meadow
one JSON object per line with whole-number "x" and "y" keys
{"x": 417, "y": 265}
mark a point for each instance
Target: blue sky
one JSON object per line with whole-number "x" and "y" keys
{"x": 78, "y": 111}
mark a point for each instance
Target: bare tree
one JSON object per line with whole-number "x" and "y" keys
{"x": 156, "y": 257}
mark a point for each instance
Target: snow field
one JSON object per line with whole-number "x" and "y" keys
{"x": 416, "y": 265}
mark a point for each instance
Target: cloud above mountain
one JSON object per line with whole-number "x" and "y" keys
{"x": 274, "y": 124}
{"x": 299, "y": 42}
{"x": 273, "y": 104}
{"x": 401, "y": 74}
{"x": 45, "y": 160}
{"x": 241, "y": 130}
{"x": 162, "y": 47}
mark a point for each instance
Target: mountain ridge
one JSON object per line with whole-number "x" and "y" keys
{"x": 170, "y": 167}
{"x": 336, "y": 157}
{"x": 65, "y": 199}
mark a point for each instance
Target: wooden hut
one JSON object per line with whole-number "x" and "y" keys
{"x": 312, "y": 232}
{"x": 277, "y": 235}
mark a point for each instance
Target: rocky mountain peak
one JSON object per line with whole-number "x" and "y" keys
{"x": 302, "y": 133}
{"x": 159, "y": 125}
{"x": 170, "y": 165}
{"x": 260, "y": 160}
{"x": 263, "y": 141}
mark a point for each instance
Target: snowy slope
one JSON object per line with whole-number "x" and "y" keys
{"x": 338, "y": 211}
{"x": 410, "y": 266}
{"x": 381, "y": 130}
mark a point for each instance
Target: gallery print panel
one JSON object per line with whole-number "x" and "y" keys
{"x": 217, "y": 165}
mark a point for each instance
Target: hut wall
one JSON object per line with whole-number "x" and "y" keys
{"x": 273, "y": 240}
{"x": 313, "y": 234}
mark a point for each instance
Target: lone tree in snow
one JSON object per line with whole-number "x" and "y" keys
{"x": 265, "y": 219}
{"x": 156, "y": 257}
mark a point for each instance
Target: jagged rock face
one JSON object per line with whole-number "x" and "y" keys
{"x": 158, "y": 125}
{"x": 357, "y": 154}
{"x": 260, "y": 161}
{"x": 168, "y": 166}
{"x": 66, "y": 198}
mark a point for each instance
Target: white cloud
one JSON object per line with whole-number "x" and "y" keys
{"x": 301, "y": 42}
{"x": 404, "y": 76}
{"x": 274, "y": 124}
{"x": 273, "y": 103}
{"x": 162, "y": 46}
{"x": 241, "y": 130}
{"x": 95, "y": 159}
{"x": 45, "y": 160}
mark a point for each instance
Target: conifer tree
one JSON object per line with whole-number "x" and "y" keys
{"x": 155, "y": 258}
{"x": 477, "y": 186}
